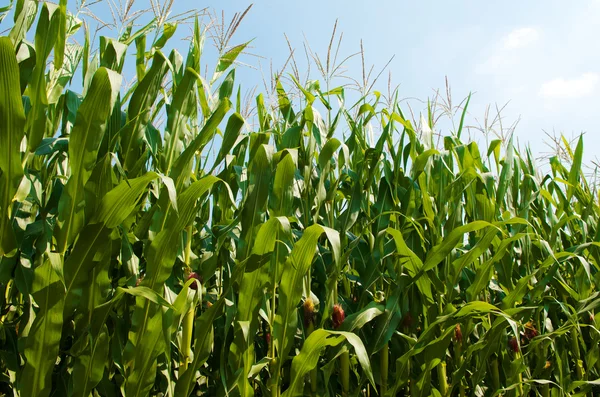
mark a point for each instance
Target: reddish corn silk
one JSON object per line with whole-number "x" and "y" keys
{"x": 196, "y": 276}
{"x": 407, "y": 320}
{"x": 458, "y": 336}
{"x": 513, "y": 344}
{"x": 139, "y": 280}
{"x": 530, "y": 331}
{"x": 338, "y": 316}
{"x": 268, "y": 338}
{"x": 308, "y": 308}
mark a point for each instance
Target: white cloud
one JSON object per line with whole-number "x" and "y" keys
{"x": 506, "y": 54}
{"x": 496, "y": 63}
{"x": 572, "y": 88}
{"x": 520, "y": 38}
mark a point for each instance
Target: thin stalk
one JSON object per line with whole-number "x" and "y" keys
{"x": 384, "y": 364}
{"x": 442, "y": 378}
{"x": 520, "y": 391}
{"x": 188, "y": 320}
{"x": 495, "y": 374}
{"x": 275, "y": 392}
{"x": 345, "y": 373}
{"x": 186, "y": 338}
{"x": 459, "y": 361}
{"x": 577, "y": 355}
{"x": 344, "y": 359}
{"x": 7, "y": 294}
{"x": 545, "y": 390}
{"x": 313, "y": 373}
{"x": 576, "y": 351}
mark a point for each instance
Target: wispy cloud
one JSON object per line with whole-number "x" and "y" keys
{"x": 505, "y": 52}
{"x": 570, "y": 88}
{"x": 520, "y": 38}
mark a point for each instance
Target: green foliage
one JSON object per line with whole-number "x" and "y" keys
{"x": 137, "y": 260}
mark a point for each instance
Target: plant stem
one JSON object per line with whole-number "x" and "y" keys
{"x": 459, "y": 361}
{"x": 345, "y": 373}
{"x": 313, "y": 373}
{"x": 186, "y": 339}
{"x": 546, "y": 390}
{"x": 577, "y": 355}
{"x": 188, "y": 320}
{"x": 495, "y": 374}
{"x": 442, "y": 378}
{"x": 520, "y": 391}
{"x": 384, "y": 364}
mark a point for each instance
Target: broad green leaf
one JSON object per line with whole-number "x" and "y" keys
{"x": 203, "y": 345}
{"x": 575, "y": 169}
{"x": 290, "y": 290}
{"x": 440, "y": 251}
{"x": 281, "y": 199}
{"x": 25, "y": 13}
{"x": 412, "y": 263}
{"x": 139, "y": 111}
{"x": 84, "y": 143}
{"x": 231, "y": 136}
{"x": 506, "y": 174}
{"x": 88, "y": 368}
{"x": 365, "y": 315}
{"x": 180, "y": 171}
{"x": 45, "y": 37}
{"x": 161, "y": 255}
{"x": 311, "y": 351}
{"x": 116, "y": 206}
{"x": 59, "y": 46}
{"x": 226, "y": 60}
{"x": 42, "y": 344}
{"x": 177, "y": 115}
{"x": 12, "y": 129}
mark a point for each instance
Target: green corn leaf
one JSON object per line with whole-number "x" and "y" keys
{"x": 178, "y": 113}
{"x": 462, "y": 117}
{"x": 357, "y": 320}
{"x": 84, "y": 143}
{"x": 230, "y": 138}
{"x": 304, "y": 362}
{"x": 116, "y": 206}
{"x": 281, "y": 200}
{"x": 413, "y": 264}
{"x": 25, "y": 13}
{"x": 42, "y": 345}
{"x": 88, "y": 368}
{"x": 12, "y": 125}
{"x": 290, "y": 289}
{"x": 203, "y": 345}
{"x": 575, "y": 171}
{"x": 161, "y": 255}
{"x": 439, "y": 252}
{"x": 226, "y": 60}
{"x": 252, "y": 288}
{"x": 45, "y": 38}
{"x": 59, "y": 46}
{"x": 139, "y": 111}
{"x": 506, "y": 174}
{"x": 180, "y": 171}
{"x": 141, "y": 372}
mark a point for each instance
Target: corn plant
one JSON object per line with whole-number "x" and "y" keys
{"x": 285, "y": 252}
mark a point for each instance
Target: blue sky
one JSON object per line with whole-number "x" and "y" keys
{"x": 540, "y": 58}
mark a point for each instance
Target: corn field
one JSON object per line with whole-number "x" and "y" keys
{"x": 290, "y": 252}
